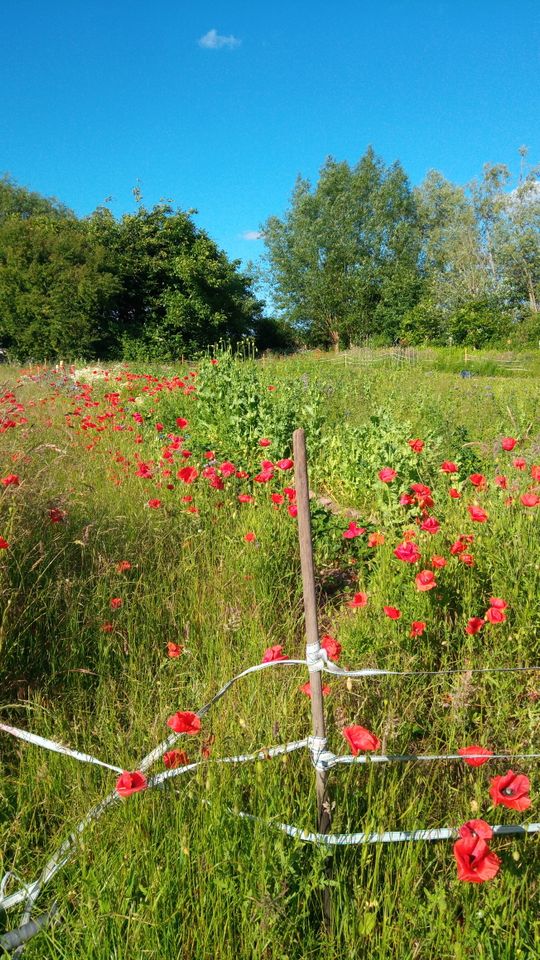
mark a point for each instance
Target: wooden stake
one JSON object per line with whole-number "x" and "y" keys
{"x": 310, "y": 612}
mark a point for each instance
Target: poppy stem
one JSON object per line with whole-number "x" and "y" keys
{"x": 324, "y": 818}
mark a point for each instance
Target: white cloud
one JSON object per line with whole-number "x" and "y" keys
{"x": 252, "y": 235}
{"x": 215, "y": 41}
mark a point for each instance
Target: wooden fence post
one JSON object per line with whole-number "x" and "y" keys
{"x": 310, "y": 613}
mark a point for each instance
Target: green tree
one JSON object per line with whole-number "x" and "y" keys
{"x": 343, "y": 260}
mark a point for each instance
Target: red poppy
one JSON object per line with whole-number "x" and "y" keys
{"x": 181, "y": 423}
{"x": 478, "y": 480}
{"x": 129, "y": 783}
{"x": 359, "y": 600}
{"x": 277, "y": 499}
{"x": 511, "y": 790}
{"x": 475, "y": 861}
{"x": 123, "y": 566}
{"x": 264, "y": 476}
{"x": 184, "y": 722}
{"x": 375, "y": 539}
{"x": 417, "y": 628}
{"x": 387, "y": 475}
{"x": 285, "y": 464}
{"x": 467, "y": 559}
{"x": 498, "y": 602}
{"x": 56, "y": 515}
{"x": 292, "y": 510}
{"x": 455, "y": 494}
{"x": 188, "y": 474}
{"x": 406, "y": 500}
{"x": 4, "y": 545}
{"x": 154, "y": 504}
{"x": 476, "y": 828}
{"x": 353, "y": 531}
{"x": 332, "y": 646}
{"x": 501, "y": 481}
{"x": 306, "y": 688}
{"x": 477, "y": 514}
{"x": 530, "y": 499}
{"x": 425, "y": 580}
{"x": 175, "y": 758}
{"x": 508, "y": 443}
{"x": 438, "y": 562}
{"x": 535, "y": 471}
{"x": 107, "y": 627}
{"x": 265, "y": 442}
{"x": 392, "y": 612}
{"x": 250, "y": 537}
{"x": 519, "y": 463}
{"x": 449, "y": 467}
{"x": 360, "y": 739}
{"x": 174, "y": 649}
{"x": 227, "y": 468}
{"x": 116, "y": 603}
{"x": 11, "y": 480}
{"x": 494, "y": 615}
{"x": 272, "y": 654}
{"x": 474, "y": 625}
{"x": 407, "y": 552}
{"x": 416, "y": 445}
{"x": 430, "y": 525}
{"x": 245, "y": 498}
{"x": 471, "y": 755}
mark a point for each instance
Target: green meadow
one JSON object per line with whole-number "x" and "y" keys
{"x": 98, "y": 512}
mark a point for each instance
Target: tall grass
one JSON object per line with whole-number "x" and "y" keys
{"x": 175, "y": 873}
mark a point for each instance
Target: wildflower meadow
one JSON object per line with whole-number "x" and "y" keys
{"x": 149, "y": 554}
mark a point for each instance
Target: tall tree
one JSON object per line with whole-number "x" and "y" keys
{"x": 343, "y": 260}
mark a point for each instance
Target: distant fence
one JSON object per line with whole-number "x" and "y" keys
{"x": 323, "y": 759}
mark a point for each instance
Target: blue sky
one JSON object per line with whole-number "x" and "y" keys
{"x": 219, "y": 106}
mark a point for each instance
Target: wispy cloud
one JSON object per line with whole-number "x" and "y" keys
{"x": 215, "y": 41}
{"x": 252, "y": 235}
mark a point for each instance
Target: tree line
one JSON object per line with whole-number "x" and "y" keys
{"x": 359, "y": 255}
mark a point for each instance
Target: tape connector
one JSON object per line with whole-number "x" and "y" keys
{"x": 316, "y": 657}
{"x": 321, "y": 758}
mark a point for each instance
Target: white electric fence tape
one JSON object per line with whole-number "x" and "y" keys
{"x": 322, "y": 759}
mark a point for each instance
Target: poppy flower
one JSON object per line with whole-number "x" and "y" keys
{"x": 438, "y": 562}
{"x": 11, "y": 480}
{"x": 474, "y": 625}
{"x": 476, "y": 828}
{"x": 471, "y": 758}
{"x": 184, "y": 722}
{"x": 455, "y": 494}
{"x": 530, "y": 499}
{"x": 375, "y": 539}
{"x": 476, "y": 863}
{"x": 417, "y": 628}
{"x": 250, "y": 537}
{"x": 116, "y": 603}
{"x": 535, "y": 471}
{"x": 406, "y": 500}
{"x": 519, "y": 463}
{"x": 174, "y": 650}
{"x": 154, "y": 504}
{"x": 272, "y": 654}
{"x": 217, "y": 483}
{"x": 4, "y": 545}
{"x": 495, "y": 615}
{"x": 245, "y": 498}
{"x": 56, "y": 515}
{"x": 407, "y": 552}
{"x": 498, "y": 602}
{"x": 359, "y": 600}
{"x": 353, "y": 531}
{"x": 416, "y": 445}
{"x": 430, "y": 525}
{"x": 478, "y": 480}
{"x": 175, "y": 758}
{"x": 264, "y": 476}
{"x": 107, "y": 627}
{"x": 123, "y": 566}
{"x": 209, "y": 455}
{"x": 227, "y": 468}
{"x": 332, "y": 646}
{"x": 188, "y": 474}
{"x": 387, "y": 475}
{"x": 181, "y": 423}
{"x": 477, "y": 514}
{"x": 392, "y": 612}
{"x": 467, "y": 559}
{"x": 285, "y": 464}
{"x": 129, "y": 783}
{"x": 501, "y": 481}
{"x": 425, "y": 580}
{"x": 292, "y": 510}
{"x": 359, "y": 739}
{"x": 277, "y": 499}
{"x": 511, "y": 790}
{"x": 265, "y": 442}
{"x": 306, "y": 688}
{"x": 449, "y": 467}
{"x": 508, "y": 443}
